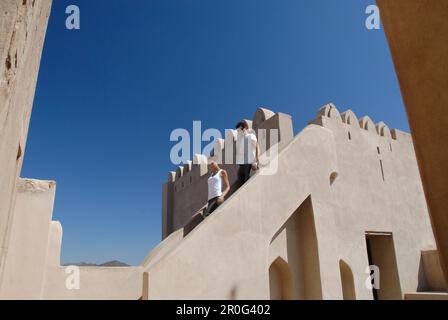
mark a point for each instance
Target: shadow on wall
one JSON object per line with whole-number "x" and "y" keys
{"x": 422, "y": 281}
{"x": 348, "y": 283}
{"x": 233, "y": 293}
{"x": 280, "y": 280}
{"x": 299, "y": 276}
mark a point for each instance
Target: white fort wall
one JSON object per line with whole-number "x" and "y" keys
{"x": 378, "y": 189}
{"x": 29, "y": 241}
{"x": 22, "y": 31}
{"x": 96, "y": 283}
{"x": 32, "y": 267}
{"x": 339, "y": 179}
{"x": 26, "y": 259}
{"x": 347, "y": 192}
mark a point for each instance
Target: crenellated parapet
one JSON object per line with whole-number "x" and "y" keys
{"x": 349, "y": 118}
{"x": 329, "y": 110}
{"x": 261, "y": 115}
{"x": 383, "y": 130}
{"x": 185, "y": 191}
{"x": 223, "y": 151}
{"x": 329, "y": 113}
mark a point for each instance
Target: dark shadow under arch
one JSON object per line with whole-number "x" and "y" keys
{"x": 302, "y": 252}
{"x": 347, "y": 281}
{"x": 280, "y": 280}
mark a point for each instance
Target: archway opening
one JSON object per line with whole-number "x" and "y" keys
{"x": 280, "y": 280}
{"x": 296, "y": 243}
{"x": 348, "y": 283}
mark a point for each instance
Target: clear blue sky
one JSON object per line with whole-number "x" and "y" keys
{"x": 109, "y": 95}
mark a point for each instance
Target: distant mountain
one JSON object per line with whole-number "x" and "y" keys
{"x": 114, "y": 263}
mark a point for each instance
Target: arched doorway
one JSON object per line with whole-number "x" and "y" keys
{"x": 280, "y": 280}
{"x": 348, "y": 284}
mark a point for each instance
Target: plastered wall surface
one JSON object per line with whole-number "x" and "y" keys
{"x": 22, "y": 31}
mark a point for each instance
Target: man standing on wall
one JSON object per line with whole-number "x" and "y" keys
{"x": 247, "y": 152}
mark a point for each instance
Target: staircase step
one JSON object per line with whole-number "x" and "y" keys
{"x": 426, "y": 296}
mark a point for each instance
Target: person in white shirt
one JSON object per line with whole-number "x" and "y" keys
{"x": 216, "y": 195}
{"x": 247, "y": 151}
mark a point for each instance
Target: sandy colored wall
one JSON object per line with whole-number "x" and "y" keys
{"x": 53, "y": 258}
{"x": 433, "y": 271}
{"x": 32, "y": 268}
{"x": 228, "y": 255}
{"x": 22, "y": 31}
{"x": 96, "y": 283}
{"x": 27, "y": 255}
{"x": 363, "y": 201}
{"x": 417, "y": 31}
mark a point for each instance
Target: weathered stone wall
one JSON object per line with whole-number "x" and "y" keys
{"x": 30, "y": 233}
{"x": 23, "y": 25}
{"x": 417, "y": 31}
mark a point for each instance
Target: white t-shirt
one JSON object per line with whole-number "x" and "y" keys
{"x": 215, "y": 185}
{"x": 246, "y": 142}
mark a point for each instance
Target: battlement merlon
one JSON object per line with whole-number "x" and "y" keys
{"x": 329, "y": 113}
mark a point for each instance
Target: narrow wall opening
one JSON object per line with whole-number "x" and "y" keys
{"x": 347, "y": 281}
{"x": 19, "y": 152}
{"x": 382, "y": 169}
{"x": 381, "y": 253}
{"x": 300, "y": 247}
{"x": 280, "y": 280}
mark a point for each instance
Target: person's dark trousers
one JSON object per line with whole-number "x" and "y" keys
{"x": 212, "y": 205}
{"x": 244, "y": 173}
